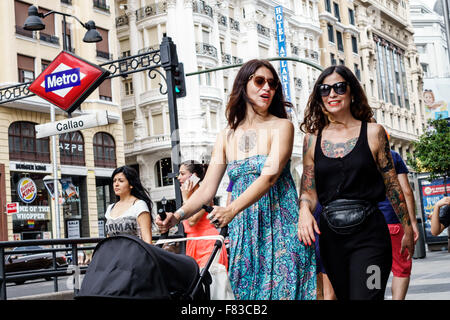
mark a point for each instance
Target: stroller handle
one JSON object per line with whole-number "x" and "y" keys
{"x": 224, "y": 230}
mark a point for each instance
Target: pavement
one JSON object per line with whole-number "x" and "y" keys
{"x": 430, "y": 278}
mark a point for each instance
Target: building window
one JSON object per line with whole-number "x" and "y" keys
{"x": 23, "y": 145}
{"x": 104, "y": 90}
{"x": 354, "y": 44}
{"x": 103, "y": 46}
{"x": 25, "y": 67}
{"x": 388, "y": 59}
{"x": 104, "y": 150}
{"x": 44, "y": 64}
{"x": 330, "y": 33}
{"x": 337, "y": 14}
{"x": 328, "y": 5}
{"x": 128, "y": 84}
{"x": 381, "y": 73}
{"x": 162, "y": 169}
{"x": 357, "y": 72}
{"x": 333, "y": 59}
{"x": 340, "y": 43}
{"x": 71, "y": 148}
{"x": 351, "y": 16}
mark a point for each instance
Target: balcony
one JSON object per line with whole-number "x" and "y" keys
{"x": 295, "y": 50}
{"x": 122, "y": 21}
{"x": 101, "y": 5}
{"x": 69, "y": 2}
{"x": 229, "y": 59}
{"x": 262, "y": 30}
{"x": 151, "y": 10}
{"x": 234, "y": 25}
{"x": 147, "y": 49}
{"x": 222, "y": 20}
{"x": 202, "y": 8}
{"x": 104, "y": 55}
{"x": 298, "y": 83}
{"x": 48, "y": 38}
{"x": 206, "y": 49}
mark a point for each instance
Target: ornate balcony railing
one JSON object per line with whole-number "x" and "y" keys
{"x": 202, "y": 8}
{"x": 151, "y": 10}
{"x": 222, "y": 20}
{"x": 262, "y": 30}
{"x": 122, "y": 20}
{"x": 234, "y": 25}
{"x": 295, "y": 50}
{"x": 237, "y": 60}
{"x": 48, "y": 38}
{"x": 298, "y": 83}
{"x": 226, "y": 58}
{"x": 206, "y": 49}
{"x": 147, "y": 49}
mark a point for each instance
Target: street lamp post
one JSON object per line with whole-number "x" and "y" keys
{"x": 34, "y": 23}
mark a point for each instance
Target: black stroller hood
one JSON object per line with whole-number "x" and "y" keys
{"x": 127, "y": 267}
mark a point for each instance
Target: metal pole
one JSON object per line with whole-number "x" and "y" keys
{"x": 169, "y": 61}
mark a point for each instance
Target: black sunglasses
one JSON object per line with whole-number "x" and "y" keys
{"x": 338, "y": 87}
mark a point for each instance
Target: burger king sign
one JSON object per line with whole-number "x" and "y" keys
{"x": 26, "y": 189}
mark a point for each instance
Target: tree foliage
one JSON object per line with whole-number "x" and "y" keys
{"x": 432, "y": 151}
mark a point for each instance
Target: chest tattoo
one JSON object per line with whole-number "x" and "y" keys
{"x": 338, "y": 150}
{"x": 247, "y": 141}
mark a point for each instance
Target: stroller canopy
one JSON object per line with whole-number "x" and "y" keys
{"x": 125, "y": 266}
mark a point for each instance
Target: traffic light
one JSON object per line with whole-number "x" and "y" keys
{"x": 179, "y": 81}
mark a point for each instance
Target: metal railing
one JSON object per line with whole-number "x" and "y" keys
{"x": 58, "y": 245}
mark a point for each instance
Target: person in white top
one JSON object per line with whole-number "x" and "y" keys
{"x": 131, "y": 213}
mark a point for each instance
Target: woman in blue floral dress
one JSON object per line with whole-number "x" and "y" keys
{"x": 267, "y": 259}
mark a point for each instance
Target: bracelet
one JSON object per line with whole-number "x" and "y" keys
{"x": 181, "y": 213}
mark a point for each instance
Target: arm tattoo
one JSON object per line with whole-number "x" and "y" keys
{"x": 308, "y": 182}
{"x": 393, "y": 189}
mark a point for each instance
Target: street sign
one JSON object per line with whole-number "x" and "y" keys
{"x": 100, "y": 118}
{"x": 12, "y": 207}
{"x": 68, "y": 81}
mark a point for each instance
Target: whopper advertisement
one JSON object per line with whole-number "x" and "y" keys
{"x": 430, "y": 193}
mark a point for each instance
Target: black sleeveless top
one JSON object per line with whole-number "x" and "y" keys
{"x": 354, "y": 176}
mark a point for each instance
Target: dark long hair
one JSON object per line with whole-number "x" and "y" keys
{"x": 196, "y": 167}
{"x": 316, "y": 116}
{"x": 237, "y": 104}
{"x": 138, "y": 189}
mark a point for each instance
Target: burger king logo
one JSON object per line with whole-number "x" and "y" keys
{"x": 26, "y": 188}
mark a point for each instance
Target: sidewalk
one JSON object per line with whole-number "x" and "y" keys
{"x": 430, "y": 278}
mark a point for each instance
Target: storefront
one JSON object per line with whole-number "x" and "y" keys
{"x": 33, "y": 217}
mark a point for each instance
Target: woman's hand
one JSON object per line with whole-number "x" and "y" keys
{"x": 306, "y": 226}
{"x": 220, "y": 216}
{"x": 168, "y": 223}
{"x": 187, "y": 189}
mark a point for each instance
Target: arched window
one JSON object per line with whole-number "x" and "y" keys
{"x": 104, "y": 150}
{"x": 23, "y": 145}
{"x": 71, "y": 147}
{"x": 162, "y": 169}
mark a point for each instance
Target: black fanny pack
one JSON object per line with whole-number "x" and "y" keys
{"x": 347, "y": 216}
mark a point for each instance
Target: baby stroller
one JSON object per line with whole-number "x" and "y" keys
{"x": 126, "y": 267}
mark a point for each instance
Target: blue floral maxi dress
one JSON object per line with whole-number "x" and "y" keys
{"x": 267, "y": 260}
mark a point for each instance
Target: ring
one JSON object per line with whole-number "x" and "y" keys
{"x": 216, "y": 223}
{"x": 210, "y": 216}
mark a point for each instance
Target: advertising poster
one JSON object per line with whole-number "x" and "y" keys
{"x": 436, "y": 98}
{"x": 430, "y": 193}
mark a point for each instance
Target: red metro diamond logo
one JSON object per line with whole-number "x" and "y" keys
{"x": 68, "y": 81}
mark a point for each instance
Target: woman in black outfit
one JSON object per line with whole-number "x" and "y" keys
{"x": 348, "y": 168}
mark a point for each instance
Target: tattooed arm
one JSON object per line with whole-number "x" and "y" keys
{"x": 308, "y": 195}
{"x": 382, "y": 152}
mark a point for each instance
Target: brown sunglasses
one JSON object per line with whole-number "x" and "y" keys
{"x": 260, "y": 81}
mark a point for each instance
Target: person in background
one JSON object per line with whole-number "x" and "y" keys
{"x": 198, "y": 225}
{"x": 131, "y": 214}
{"x": 440, "y": 219}
{"x": 401, "y": 265}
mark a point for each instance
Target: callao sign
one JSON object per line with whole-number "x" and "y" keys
{"x": 68, "y": 81}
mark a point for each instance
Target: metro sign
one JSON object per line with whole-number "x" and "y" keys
{"x": 68, "y": 81}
